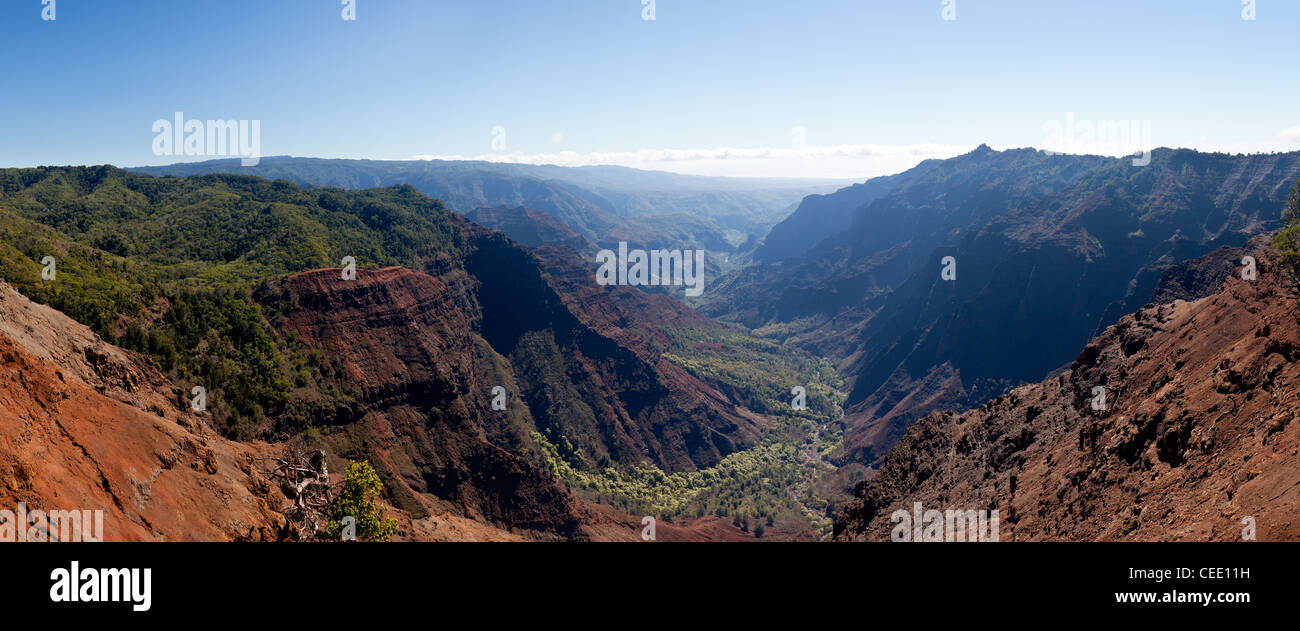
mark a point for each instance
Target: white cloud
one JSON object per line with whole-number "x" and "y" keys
{"x": 1292, "y": 133}
{"x": 837, "y": 161}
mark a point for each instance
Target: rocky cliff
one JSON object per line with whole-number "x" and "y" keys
{"x": 423, "y": 408}
{"x": 1046, "y": 252}
{"x": 1195, "y": 438}
{"x": 422, "y": 379}
{"x": 529, "y": 227}
{"x": 587, "y": 364}
{"x": 399, "y": 367}
{"x": 85, "y": 425}
{"x": 88, "y": 426}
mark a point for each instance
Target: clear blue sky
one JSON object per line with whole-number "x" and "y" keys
{"x": 433, "y": 77}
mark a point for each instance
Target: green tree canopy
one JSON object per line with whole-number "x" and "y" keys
{"x": 359, "y": 499}
{"x": 1287, "y": 241}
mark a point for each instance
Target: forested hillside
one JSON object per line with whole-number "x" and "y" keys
{"x": 212, "y": 277}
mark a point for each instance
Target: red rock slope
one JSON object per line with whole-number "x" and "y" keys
{"x": 422, "y": 383}
{"x": 88, "y": 426}
{"x": 423, "y": 409}
{"x": 1198, "y": 434}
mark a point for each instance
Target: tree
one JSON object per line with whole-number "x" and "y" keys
{"x": 303, "y": 476}
{"x": 1287, "y": 241}
{"x": 359, "y": 499}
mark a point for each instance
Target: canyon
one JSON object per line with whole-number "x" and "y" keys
{"x": 1196, "y": 440}
{"x": 502, "y": 392}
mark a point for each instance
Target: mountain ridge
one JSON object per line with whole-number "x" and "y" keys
{"x": 1048, "y": 250}
{"x": 1195, "y": 438}
{"x": 603, "y": 204}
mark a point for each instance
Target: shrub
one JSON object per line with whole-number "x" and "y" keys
{"x": 1287, "y": 241}
{"x": 359, "y": 499}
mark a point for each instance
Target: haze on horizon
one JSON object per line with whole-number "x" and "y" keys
{"x": 834, "y": 89}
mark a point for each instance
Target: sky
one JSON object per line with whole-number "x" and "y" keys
{"x": 814, "y": 88}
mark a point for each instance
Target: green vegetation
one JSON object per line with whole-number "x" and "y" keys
{"x": 753, "y": 486}
{"x": 359, "y": 499}
{"x": 775, "y": 479}
{"x": 759, "y": 373}
{"x": 184, "y": 270}
{"x": 1287, "y": 240}
{"x": 188, "y": 272}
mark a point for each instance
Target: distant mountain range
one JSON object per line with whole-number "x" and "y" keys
{"x": 602, "y": 204}
{"x": 502, "y": 393}
{"x": 1048, "y": 250}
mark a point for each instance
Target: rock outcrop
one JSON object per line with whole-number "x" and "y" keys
{"x": 588, "y": 359}
{"x": 422, "y": 406}
{"x": 88, "y": 426}
{"x": 1195, "y": 439}
{"x": 1046, "y": 250}
{"x": 529, "y": 227}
